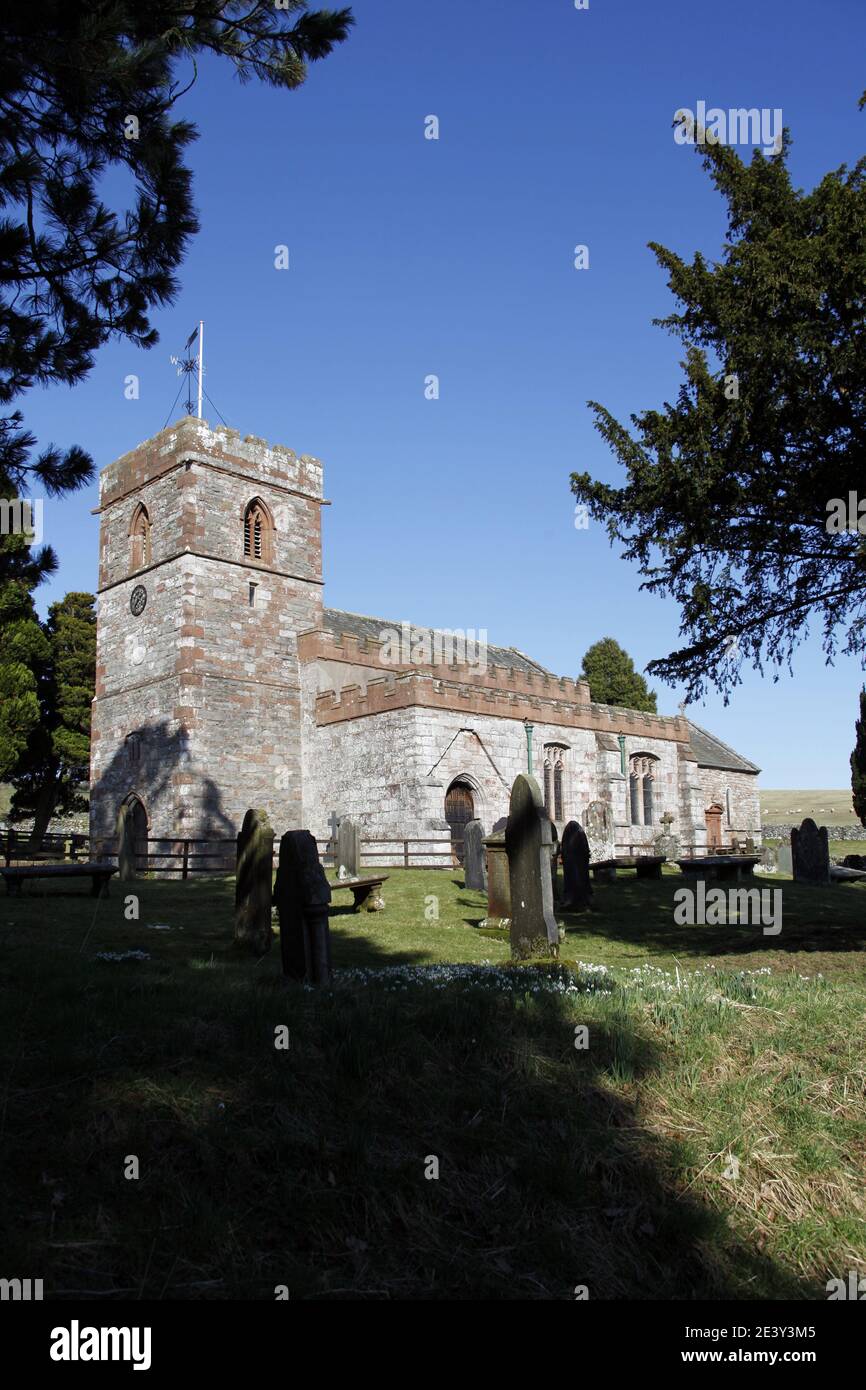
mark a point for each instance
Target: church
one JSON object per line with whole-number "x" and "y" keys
{"x": 223, "y": 682}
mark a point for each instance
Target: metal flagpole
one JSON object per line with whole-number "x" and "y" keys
{"x": 200, "y": 360}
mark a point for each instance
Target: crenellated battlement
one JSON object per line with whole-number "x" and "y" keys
{"x": 529, "y": 697}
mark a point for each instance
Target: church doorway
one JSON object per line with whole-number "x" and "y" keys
{"x": 713, "y": 816}
{"x": 459, "y": 809}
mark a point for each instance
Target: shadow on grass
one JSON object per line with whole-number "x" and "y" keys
{"x": 306, "y": 1166}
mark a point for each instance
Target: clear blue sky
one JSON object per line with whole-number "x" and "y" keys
{"x": 411, "y": 257}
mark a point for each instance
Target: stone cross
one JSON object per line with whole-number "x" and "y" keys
{"x": 598, "y": 820}
{"x": 302, "y": 895}
{"x": 577, "y": 889}
{"x": 348, "y": 861}
{"x": 333, "y": 824}
{"x": 253, "y": 878}
{"x": 474, "y": 863}
{"x": 810, "y": 853}
{"x": 528, "y": 844}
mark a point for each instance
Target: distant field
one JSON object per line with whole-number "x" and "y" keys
{"x": 790, "y": 807}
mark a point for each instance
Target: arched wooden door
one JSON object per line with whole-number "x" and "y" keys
{"x": 132, "y": 827}
{"x": 459, "y": 810}
{"x": 713, "y": 816}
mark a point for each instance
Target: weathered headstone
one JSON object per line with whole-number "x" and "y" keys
{"x": 302, "y": 895}
{"x": 810, "y": 851}
{"x": 127, "y": 858}
{"x": 348, "y": 850}
{"x": 528, "y": 844}
{"x": 474, "y": 866}
{"x": 254, "y": 874}
{"x": 598, "y": 821}
{"x": 769, "y": 859}
{"x": 784, "y": 860}
{"x": 577, "y": 889}
{"x": 498, "y": 882}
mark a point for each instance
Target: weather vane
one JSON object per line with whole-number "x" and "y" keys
{"x": 187, "y": 365}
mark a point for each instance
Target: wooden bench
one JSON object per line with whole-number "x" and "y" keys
{"x": 365, "y": 891}
{"x": 98, "y": 873}
{"x": 720, "y": 866}
{"x": 646, "y": 865}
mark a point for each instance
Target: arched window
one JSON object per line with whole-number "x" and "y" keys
{"x": 133, "y": 747}
{"x": 641, "y": 787}
{"x": 258, "y": 529}
{"x": 554, "y": 780}
{"x": 139, "y": 536}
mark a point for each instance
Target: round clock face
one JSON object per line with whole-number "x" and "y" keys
{"x": 138, "y": 599}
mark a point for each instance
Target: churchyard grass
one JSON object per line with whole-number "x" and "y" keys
{"x": 708, "y": 1142}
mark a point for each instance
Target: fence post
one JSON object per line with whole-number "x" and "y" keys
{"x": 185, "y": 869}
{"x": 9, "y": 845}
{"x": 405, "y": 854}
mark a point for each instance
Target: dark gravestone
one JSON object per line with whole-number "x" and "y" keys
{"x": 127, "y": 861}
{"x": 528, "y": 844}
{"x": 810, "y": 853}
{"x": 302, "y": 895}
{"x": 474, "y": 866}
{"x": 348, "y": 850}
{"x": 254, "y": 874}
{"x": 854, "y": 861}
{"x": 498, "y": 882}
{"x": 577, "y": 889}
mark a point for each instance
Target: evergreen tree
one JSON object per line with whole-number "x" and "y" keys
{"x": 613, "y": 679}
{"x": 725, "y": 505}
{"x": 87, "y": 89}
{"x": 50, "y": 772}
{"x": 858, "y": 763}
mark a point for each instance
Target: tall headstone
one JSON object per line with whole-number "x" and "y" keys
{"x": 577, "y": 889}
{"x": 474, "y": 866}
{"x": 810, "y": 853}
{"x": 127, "y": 859}
{"x": 253, "y": 879}
{"x": 498, "y": 882}
{"x": 528, "y": 843}
{"x": 302, "y": 895}
{"x": 784, "y": 860}
{"x": 598, "y": 820}
{"x": 348, "y": 850}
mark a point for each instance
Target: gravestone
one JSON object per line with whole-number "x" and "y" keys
{"x": 528, "y": 844}
{"x": 555, "y": 849}
{"x": 254, "y": 873}
{"x": 127, "y": 860}
{"x": 854, "y": 861}
{"x": 498, "y": 882}
{"x": 669, "y": 846}
{"x": 598, "y": 820}
{"x": 577, "y": 889}
{"x": 784, "y": 860}
{"x": 769, "y": 859}
{"x": 474, "y": 866}
{"x": 348, "y": 850}
{"x": 302, "y": 895}
{"x": 810, "y": 851}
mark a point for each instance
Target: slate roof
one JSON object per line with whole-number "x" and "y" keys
{"x": 709, "y": 751}
{"x": 359, "y": 625}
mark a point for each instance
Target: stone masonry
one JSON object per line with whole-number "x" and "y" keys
{"x": 235, "y": 687}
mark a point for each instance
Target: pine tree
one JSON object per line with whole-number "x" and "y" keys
{"x": 613, "y": 679}
{"x": 49, "y": 773}
{"x": 858, "y": 763}
{"x": 725, "y": 504}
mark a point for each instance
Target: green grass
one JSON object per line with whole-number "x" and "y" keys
{"x": 558, "y": 1166}
{"x": 791, "y": 807}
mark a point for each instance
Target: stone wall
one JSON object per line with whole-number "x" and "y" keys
{"x": 745, "y": 810}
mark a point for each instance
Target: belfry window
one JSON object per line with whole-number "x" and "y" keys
{"x": 139, "y": 536}
{"x": 257, "y": 532}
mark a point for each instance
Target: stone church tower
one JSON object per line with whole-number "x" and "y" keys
{"x": 210, "y": 566}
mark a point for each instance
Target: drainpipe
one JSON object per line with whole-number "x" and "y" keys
{"x": 621, "y": 738}
{"x": 529, "y": 728}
